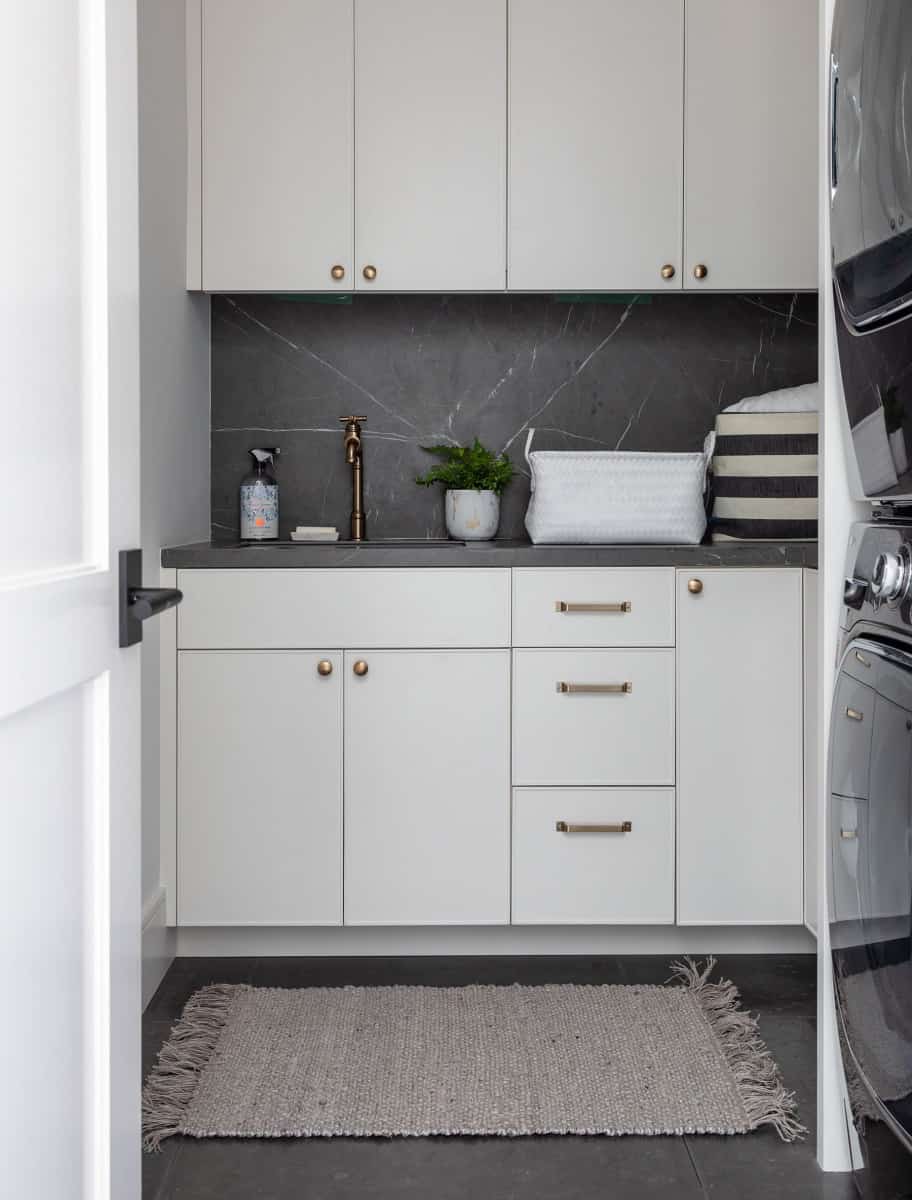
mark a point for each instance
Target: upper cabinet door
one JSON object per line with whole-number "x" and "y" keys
{"x": 277, "y": 161}
{"x": 751, "y": 144}
{"x": 596, "y": 97}
{"x": 430, "y": 144}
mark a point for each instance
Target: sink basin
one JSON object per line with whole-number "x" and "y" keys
{"x": 406, "y": 543}
{"x": 381, "y": 543}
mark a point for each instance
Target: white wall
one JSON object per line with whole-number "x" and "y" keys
{"x": 838, "y": 511}
{"x": 174, "y": 375}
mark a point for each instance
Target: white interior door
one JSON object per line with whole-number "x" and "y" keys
{"x": 69, "y": 699}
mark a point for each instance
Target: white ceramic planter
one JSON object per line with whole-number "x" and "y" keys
{"x": 472, "y": 516}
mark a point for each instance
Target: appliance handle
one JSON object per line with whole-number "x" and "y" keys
{"x": 834, "y": 139}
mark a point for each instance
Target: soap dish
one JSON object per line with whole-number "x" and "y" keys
{"x": 315, "y": 533}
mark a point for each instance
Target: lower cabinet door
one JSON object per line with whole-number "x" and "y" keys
{"x": 740, "y": 782}
{"x": 259, "y": 787}
{"x": 427, "y": 787}
{"x": 593, "y": 856}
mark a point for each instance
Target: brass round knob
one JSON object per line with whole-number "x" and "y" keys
{"x": 369, "y": 272}
{"x": 668, "y": 271}
{"x": 324, "y": 667}
{"x": 338, "y": 271}
{"x": 360, "y": 667}
{"x": 695, "y": 586}
{"x": 701, "y": 271}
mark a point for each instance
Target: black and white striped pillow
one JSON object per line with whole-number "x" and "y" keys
{"x": 765, "y": 476}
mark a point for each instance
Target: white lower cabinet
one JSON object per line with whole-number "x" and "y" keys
{"x": 260, "y": 788}
{"x": 428, "y": 773}
{"x": 427, "y": 787}
{"x": 593, "y": 717}
{"x": 593, "y": 856}
{"x": 740, "y": 747}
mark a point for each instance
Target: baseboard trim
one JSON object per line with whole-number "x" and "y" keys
{"x": 357, "y": 941}
{"x": 159, "y": 944}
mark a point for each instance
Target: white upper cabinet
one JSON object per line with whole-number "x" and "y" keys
{"x": 596, "y": 156}
{"x": 751, "y": 144}
{"x": 430, "y": 144}
{"x": 277, "y": 157}
{"x": 403, "y": 145}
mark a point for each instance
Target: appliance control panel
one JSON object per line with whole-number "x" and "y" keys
{"x": 891, "y": 575}
{"x": 878, "y": 579}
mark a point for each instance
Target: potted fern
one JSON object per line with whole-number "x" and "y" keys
{"x": 474, "y": 479}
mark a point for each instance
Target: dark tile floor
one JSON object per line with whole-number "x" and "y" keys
{"x": 779, "y": 989}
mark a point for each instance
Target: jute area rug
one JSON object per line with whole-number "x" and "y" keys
{"x": 507, "y": 1061}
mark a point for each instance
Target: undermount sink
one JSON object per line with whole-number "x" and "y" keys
{"x": 433, "y": 543}
{"x": 383, "y": 543}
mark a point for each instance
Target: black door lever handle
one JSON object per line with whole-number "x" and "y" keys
{"x": 149, "y": 602}
{"x": 138, "y": 603}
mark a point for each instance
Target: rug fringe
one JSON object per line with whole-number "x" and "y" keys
{"x": 172, "y": 1084}
{"x": 766, "y": 1099}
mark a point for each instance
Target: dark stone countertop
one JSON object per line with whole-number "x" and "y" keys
{"x": 271, "y": 555}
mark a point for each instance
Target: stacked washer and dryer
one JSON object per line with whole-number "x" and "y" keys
{"x": 870, "y": 861}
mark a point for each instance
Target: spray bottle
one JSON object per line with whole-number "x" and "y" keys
{"x": 260, "y": 499}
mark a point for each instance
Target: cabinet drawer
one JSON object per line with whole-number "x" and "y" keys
{"x": 286, "y": 609}
{"x": 602, "y": 878}
{"x": 602, "y": 607}
{"x": 593, "y": 717}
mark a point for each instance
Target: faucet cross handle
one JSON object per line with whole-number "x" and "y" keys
{"x": 352, "y": 420}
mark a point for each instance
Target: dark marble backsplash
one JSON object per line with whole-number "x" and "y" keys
{"x": 649, "y": 374}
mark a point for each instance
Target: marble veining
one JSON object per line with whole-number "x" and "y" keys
{"x": 633, "y": 373}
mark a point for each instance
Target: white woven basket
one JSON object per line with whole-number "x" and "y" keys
{"x": 617, "y": 496}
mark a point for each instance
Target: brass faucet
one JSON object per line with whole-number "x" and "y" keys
{"x": 354, "y": 458}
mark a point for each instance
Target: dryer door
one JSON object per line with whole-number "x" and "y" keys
{"x": 871, "y": 877}
{"x": 871, "y": 229}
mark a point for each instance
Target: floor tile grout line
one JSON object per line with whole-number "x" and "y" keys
{"x": 160, "y": 1192}
{"x": 696, "y": 1169}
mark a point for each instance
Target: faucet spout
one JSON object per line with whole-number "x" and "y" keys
{"x": 354, "y": 457}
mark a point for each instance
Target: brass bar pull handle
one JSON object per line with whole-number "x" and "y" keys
{"x": 595, "y": 689}
{"x": 616, "y": 827}
{"x": 848, "y": 835}
{"x": 566, "y": 606}
{"x": 854, "y": 715}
